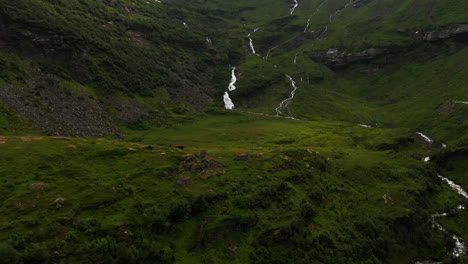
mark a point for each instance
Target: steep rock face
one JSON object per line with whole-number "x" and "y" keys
{"x": 34, "y": 42}
{"x": 336, "y": 59}
{"x": 457, "y": 30}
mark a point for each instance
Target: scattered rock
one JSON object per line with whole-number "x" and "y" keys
{"x": 232, "y": 251}
{"x": 183, "y": 180}
{"x": 339, "y": 59}
{"x": 129, "y": 233}
{"x": 211, "y": 173}
{"x": 387, "y": 199}
{"x": 150, "y": 147}
{"x": 242, "y": 156}
{"x": 60, "y": 200}
{"x": 178, "y": 146}
{"x": 21, "y": 204}
{"x": 313, "y": 226}
{"x": 40, "y": 186}
{"x": 313, "y": 151}
{"x": 200, "y": 154}
{"x": 60, "y": 138}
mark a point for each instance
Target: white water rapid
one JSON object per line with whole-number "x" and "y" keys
{"x": 228, "y": 104}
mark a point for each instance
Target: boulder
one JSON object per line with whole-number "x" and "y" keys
{"x": 40, "y": 186}
{"x": 183, "y": 180}
{"x": 177, "y": 146}
{"x": 200, "y": 154}
{"x": 242, "y": 156}
{"x": 60, "y": 200}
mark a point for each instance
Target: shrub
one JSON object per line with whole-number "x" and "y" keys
{"x": 8, "y": 254}
{"x": 35, "y": 254}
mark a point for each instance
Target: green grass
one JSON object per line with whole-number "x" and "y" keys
{"x": 115, "y": 189}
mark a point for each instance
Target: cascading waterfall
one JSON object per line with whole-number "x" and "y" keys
{"x": 228, "y": 104}
{"x": 330, "y": 21}
{"x": 251, "y": 45}
{"x": 251, "y": 41}
{"x": 460, "y": 246}
{"x": 296, "y": 4}
{"x": 283, "y": 106}
{"x": 232, "y": 85}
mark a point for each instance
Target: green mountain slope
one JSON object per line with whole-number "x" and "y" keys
{"x": 115, "y": 146}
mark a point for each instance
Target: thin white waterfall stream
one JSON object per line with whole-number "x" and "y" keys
{"x": 251, "y": 45}
{"x": 308, "y": 24}
{"x": 283, "y": 106}
{"x": 228, "y": 104}
{"x": 296, "y": 4}
{"x": 316, "y": 10}
{"x": 428, "y": 140}
{"x": 232, "y": 85}
{"x": 460, "y": 246}
{"x": 251, "y": 41}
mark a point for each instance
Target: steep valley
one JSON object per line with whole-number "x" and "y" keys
{"x": 213, "y": 131}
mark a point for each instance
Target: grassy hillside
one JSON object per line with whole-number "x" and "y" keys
{"x": 324, "y": 192}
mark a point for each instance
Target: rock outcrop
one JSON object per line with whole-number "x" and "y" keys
{"x": 335, "y": 59}
{"x": 361, "y": 3}
{"x": 457, "y": 30}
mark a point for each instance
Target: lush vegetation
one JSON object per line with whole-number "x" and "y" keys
{"x": 181, "y": 180}
{"x": 308, "y": 192}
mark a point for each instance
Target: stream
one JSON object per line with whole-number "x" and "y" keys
{"x": 251, "y": 41}
{"x": 283, "y": 106}
{"x": 460, "y": 246}
{"x": 228, "y": 104}
{"x": 296, "y": 4}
